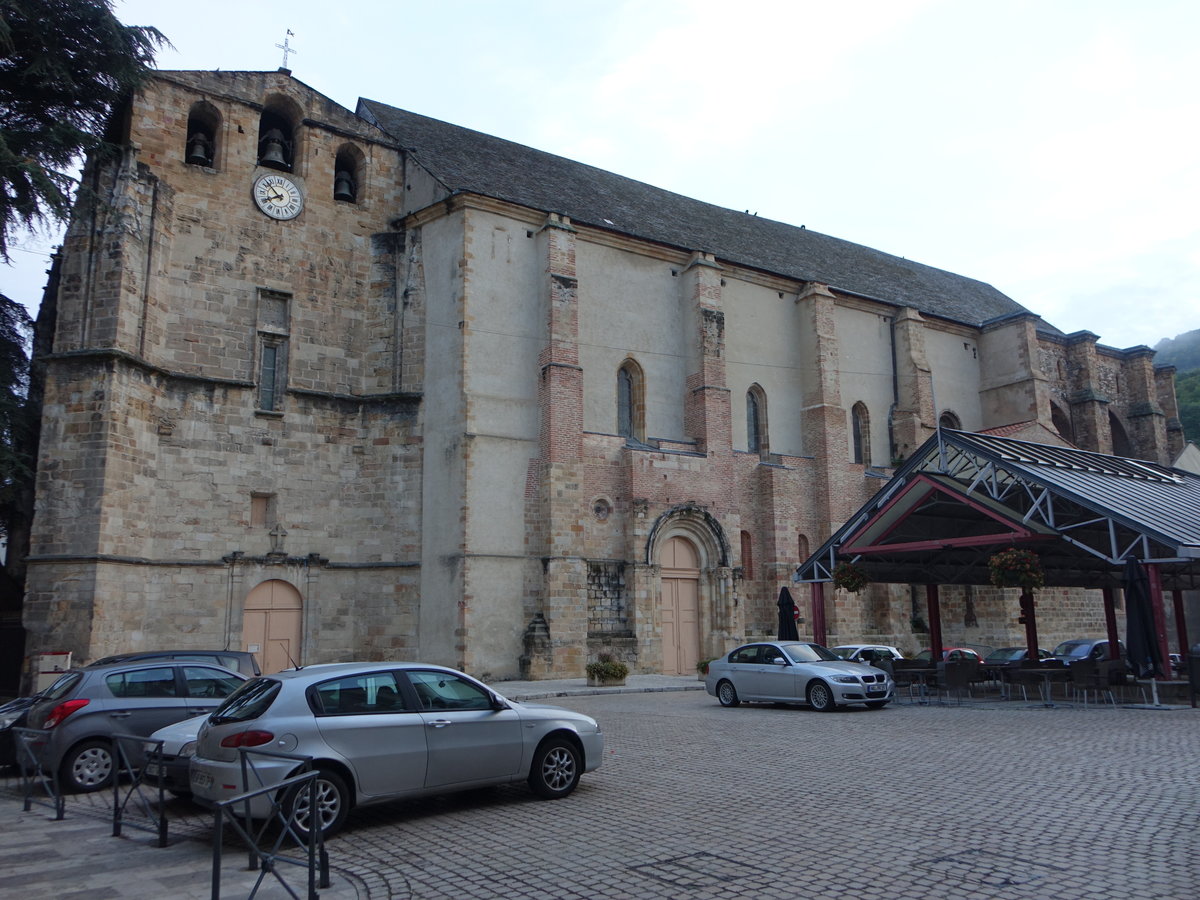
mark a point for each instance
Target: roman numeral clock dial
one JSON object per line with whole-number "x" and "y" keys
{"x": 278, "y": 197}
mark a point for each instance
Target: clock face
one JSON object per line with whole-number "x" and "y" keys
{"x": 278, "y": 197}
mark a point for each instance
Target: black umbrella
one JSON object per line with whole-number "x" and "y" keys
{"x": 787, "y": 616}
{"x": 1140, "y": 638}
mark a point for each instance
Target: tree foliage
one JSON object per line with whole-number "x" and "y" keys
{"x": 1182, "y": 351}
{"x": 1187, "y": 394}
{"x": 16, "y": 417}
{"x": 65, "y": 66}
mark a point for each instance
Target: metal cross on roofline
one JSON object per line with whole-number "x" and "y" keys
{"x": 286, "y": 48}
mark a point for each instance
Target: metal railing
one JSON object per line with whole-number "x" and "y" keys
{"x": 264, "y": 855}
{"x": 154, "y": 823}
{"x": 27, "y": 741}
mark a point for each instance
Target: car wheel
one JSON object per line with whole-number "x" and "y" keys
{"x": 727, "y": 694}
{"x": 820, "y": 697}
{"x": 87, "y": 767}
{"x": 556, "y": 768}
{"x": 333, "y": 804}
{"x": 877, "y": 704}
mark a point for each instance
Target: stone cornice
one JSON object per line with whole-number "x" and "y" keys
{"x": 115, "y": 355}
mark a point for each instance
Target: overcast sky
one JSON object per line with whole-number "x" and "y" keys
{"x": 1048, "y": 148}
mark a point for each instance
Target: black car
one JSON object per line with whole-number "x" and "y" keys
{"x": 13, "y": 715}
{"x": 1086, "y": 648}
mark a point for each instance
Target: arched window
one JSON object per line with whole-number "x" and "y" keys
{"x": 200, "y": 147}
{"x": 756, "y": 422}
{"x": 1061, "y": 420}
{"x": 347, "y": 174}
{"x": 949, "y": 420}
{"x": 860, "y": 434}
{"x": 631, "y": 404}
{"x": 277, "y": 137}
{"x": 747, "y": 556}
{"x": 802, "y": 547}
{"x": 1121, "y": 445}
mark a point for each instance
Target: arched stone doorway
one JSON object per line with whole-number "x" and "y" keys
{"x": 271, "y": 625}
{"x": 679, "y": 605}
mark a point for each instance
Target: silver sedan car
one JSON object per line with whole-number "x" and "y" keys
{"x": 792, "y": 672}
{"x": 379, "y": 731}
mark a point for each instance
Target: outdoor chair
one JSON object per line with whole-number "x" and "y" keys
{"x": 1116, "y": 675}
{"x": 906, "y": 681}
{"x": 1087, "y": 678}
{"x": 955, "y": 677}
{"x": 1021, "y": 677}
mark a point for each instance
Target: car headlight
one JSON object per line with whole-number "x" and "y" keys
{"x": 845, "y": 679}
{"x": 8, "y": 720}
{"x": 188, "y": 750}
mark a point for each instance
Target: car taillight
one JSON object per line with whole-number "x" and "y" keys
{"x": 248, "y": 739}
{"x": 61, "y": 711}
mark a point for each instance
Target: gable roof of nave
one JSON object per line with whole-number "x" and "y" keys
{"x": 470, "y": 161}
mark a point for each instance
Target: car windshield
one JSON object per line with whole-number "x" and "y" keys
{"x": 1072, "y": 648}
{"x": 808, "y": 652}
{"x": 248, "y": 702}
{"x": 844, "y": 652}
{"x": 1008, "y": 654}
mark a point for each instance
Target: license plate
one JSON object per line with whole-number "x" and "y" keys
{"x": 201, "y": 779}
{"x": 153, "y": 770}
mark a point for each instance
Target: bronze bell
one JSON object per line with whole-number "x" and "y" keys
{"x": 199, "y": 149}
{"x": 272, "y": 147}
{"x": 343, "y": 186}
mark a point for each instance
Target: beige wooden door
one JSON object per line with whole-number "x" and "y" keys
{"x": 680, "y": 567}
{"x": 271, "y": 625}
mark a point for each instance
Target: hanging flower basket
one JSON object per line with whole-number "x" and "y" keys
{"x": 850, "y": 577}
{"x": 1016, "y": 568}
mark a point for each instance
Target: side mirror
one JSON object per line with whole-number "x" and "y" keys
{"x": 779, "y": 661}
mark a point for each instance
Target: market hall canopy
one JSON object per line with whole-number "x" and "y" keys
{"x": 962, "y": 496}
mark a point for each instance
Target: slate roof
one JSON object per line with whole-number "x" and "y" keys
{"x": 469, "y": 161}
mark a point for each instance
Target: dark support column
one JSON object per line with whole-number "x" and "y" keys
{"x": 935, "y": 623}
{"x": 1180, "y": 624}
{"x": 818, "y": 613}
{"x": 1160, "y": 619}
{"x": 1110, "y": 621}
{"x": 1029, "y": 617}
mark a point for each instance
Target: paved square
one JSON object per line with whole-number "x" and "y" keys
{"x": 1005, "y": 801}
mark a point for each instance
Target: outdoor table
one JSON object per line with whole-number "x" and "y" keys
{"x": 1000, "y": 673}
{"x": 1047, "y": 675}
{"x": 921, "y": 676}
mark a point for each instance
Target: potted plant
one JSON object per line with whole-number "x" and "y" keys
{"x": 606, "y": 672}
{"x": 850, "y": 577}
{"x": 1016, "y": 568}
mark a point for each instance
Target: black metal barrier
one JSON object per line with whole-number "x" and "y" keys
{"x": 266, "y": 857}
{"x": 148, "y": 751}
{"x": 27, "y": 741}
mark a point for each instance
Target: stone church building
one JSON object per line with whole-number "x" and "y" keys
{"x": 366, "y": 385}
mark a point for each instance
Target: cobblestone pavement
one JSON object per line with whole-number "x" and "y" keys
{"x": 1003, "y": 801}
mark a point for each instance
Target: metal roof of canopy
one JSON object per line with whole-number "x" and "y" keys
{"x": 962, "y": 496}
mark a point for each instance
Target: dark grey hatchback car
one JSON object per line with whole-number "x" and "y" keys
{"x": 84, "y": 708}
